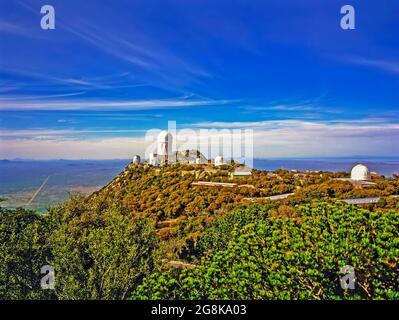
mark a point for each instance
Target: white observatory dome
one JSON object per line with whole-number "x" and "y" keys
{"x": 153, "y": 159}
{"x": 219, "y": 161}
{"x": 164, "y": 143}
{"x": 360, "y": 173}
{"x": 136, "y": 159}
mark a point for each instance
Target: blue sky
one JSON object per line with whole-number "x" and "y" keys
{"x": 113, "y": 69}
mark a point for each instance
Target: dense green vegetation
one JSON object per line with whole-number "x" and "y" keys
{"x": 120, "y": 241}
{"x": 95, "y": 257}
{"x": 275, "y": 257}
{"x": 22, "y": 253}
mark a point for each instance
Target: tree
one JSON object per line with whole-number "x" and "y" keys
{"x": 106, "y": 261}
{"x": 23, "y": 252}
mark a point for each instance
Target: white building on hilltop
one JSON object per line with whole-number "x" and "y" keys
{"x": 153, "y": 159}
{"x": 165, "y": 143}
{"x": 360, "y": 173}
{"x": 167, "y": 153}
{"x": 136, "y": 159}
{"x": 219, "y": 161}
{"x": 360, "y": 176}
{"x": 243, "y": 171}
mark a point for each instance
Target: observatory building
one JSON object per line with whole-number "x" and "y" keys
{"x": 153, "y": 159}
{"x": 360, "y": 173}
{"x": 243, "y": 171}
{"x": 166, "y": 154}
{"x": 165, "y": 143}
{"x": 136, "y": 159}
{"x": 219, "y": 161}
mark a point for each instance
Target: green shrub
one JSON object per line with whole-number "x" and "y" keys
{"x": 279, "y": 258}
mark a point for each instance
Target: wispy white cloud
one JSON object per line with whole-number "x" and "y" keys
{"x": 152, "y": 61}
{"x": 381, "y": 64}
{"x": 342, "y": 124}
{"x": 281, "y": 107}
{"x": 144, "y": 53}
{"x": 250, "y": 124}
{"x": 39, "y": 97}
{"x": 30, "y": 74}
{"x": 8, "y": 88}
{"x": 314, "y": 105}
{"x": 88, "y": 104}
{"x": 298, "y": 138}
{"x": 62, "y": 133}
{"x": 294, "y": 108}
{"x": 109, "y": 148}
{"x": 7, "y": 27}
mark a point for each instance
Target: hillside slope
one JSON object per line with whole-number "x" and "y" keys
{"x": 196, "y": 231}
{"x": 182, "y": 210}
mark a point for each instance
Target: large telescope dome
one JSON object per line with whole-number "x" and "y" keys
{"x": 360, "y": 173}
{"x": 164, "y": 143}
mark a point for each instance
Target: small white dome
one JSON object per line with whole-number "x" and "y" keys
{"x": 153, "y": 159}
{"x": 136, "y": 159}
{"x": 219, "y": 161}
{"x": 360, "y": 173}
